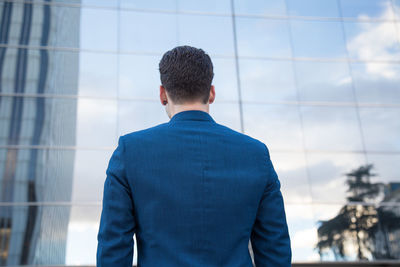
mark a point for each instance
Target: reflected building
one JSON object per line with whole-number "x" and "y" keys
{"x": 32, "y": 233}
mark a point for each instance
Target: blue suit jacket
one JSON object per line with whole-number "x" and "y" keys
{"x": 194, "y": 193}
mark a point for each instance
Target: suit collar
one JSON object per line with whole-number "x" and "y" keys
{"x": 193, "y": 115}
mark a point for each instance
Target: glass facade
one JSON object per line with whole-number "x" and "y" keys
{"x": 317, "y": 81}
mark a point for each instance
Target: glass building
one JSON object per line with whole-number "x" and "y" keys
{"x": 317, "y": 81}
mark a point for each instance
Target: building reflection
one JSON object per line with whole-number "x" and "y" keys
{"x": 29, "y": 172}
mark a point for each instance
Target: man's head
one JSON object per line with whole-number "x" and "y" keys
{"x": 186, "y": 75}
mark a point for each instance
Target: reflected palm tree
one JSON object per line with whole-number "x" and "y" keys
{"x": 369, "y": 228}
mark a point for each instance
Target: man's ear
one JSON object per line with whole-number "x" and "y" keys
{"x": 212, "y": 95}
{"x": 163, "y": 95}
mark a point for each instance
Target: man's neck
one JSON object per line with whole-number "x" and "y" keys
{"x": 193, "y": 106}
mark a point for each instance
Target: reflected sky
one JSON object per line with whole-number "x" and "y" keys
{"x": 324, "y": 81}
{"x": 367, "y": 8}
{"x": 331, "y": 128}
{"x": 327, "y": 175}
{"x": 139, "y": 76}
{"x": 318, "y": 39}
{"x": 262, "y": 80}
{"x": 278, "y": 126}
{"x": 98, "y": 79}
{"x": 372, "y": 41}
{"x": 104, "y": 35}
{"x": 267, "y": 38}
{"x": 377, "y": 82}
{"x": 314, "y": 8}
{"x": 96, "y": 123}
{"x": 158, "y": 36}
{"x": 372, "y": 120}
{"x": 260, "y": 7}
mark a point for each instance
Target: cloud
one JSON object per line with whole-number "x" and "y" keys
{"x": 376, "y": 41}
{"x": 306, "y": 238}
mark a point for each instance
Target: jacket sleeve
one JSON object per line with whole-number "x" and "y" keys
{"x": 117, "y": 222}
{"x": 270, "y": 237}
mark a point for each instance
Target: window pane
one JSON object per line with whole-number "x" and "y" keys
{"x": 372, "y": 40}
{"x": 278, "y": 126}
{"x": 315, "y": 8}
{"x": 396, "y": 9}
{"x": 365, "y": 9}
{"x": 385, "y": 166}
{"x": 98, "y": 74}
{"x": 292, "y": 173}
{"x": 225, "y": 80}
{"x": 98, "y": 29}
{"x": 302, "y": 231}
{"x": 60, "y": 175}
{"x": 377, "y": 82}
{"x": 388, "y": 222}
{"x": 32, "y": 61}
{"x": 260, "y": 7}
{"x": 47, "y": 72}
{"x": 195, "y": 30}
{"x": 147, "y": 32}
{"x": 139, "y": 77}
{"x": 324, "y": 81}
{"x": 83, "y": 228}
{"x": 64, "y": 25}
{"x": 328, "y": 175}
{"x": 89, "y": 174}
{"x": 50, "y": 170}
{"x": 331, "y": 128}
{"x": 262, "y": 80}
{"x": 169, "y": 5}
{"x": 381, "y": 128}
{"x": 56, "y": 235}
{"x": 318, "y": 39}
{"x": 220, "y": 6}
{"x": 267, "y": 38}
{"x": 38, "y": 121}
{"x": 100, "y": 3}
{"x": 96, "y": 123}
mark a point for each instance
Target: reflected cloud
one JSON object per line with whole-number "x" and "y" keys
{"x": 378, "y": 40}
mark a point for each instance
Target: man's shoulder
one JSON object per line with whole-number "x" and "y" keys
{"x": 146, "y": 132}
{"x": 242, "y": 138}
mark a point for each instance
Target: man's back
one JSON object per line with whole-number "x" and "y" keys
{"x": 194, "y": 192}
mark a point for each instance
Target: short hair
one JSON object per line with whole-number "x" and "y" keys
{"x": 186, "y": 73}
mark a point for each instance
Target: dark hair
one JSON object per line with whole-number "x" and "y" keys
{"x": 186, "y": 73}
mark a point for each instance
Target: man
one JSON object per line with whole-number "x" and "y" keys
{"x": 193, "y": 191}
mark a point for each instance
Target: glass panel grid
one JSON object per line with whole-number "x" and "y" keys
{"x": 318, "y": 84}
